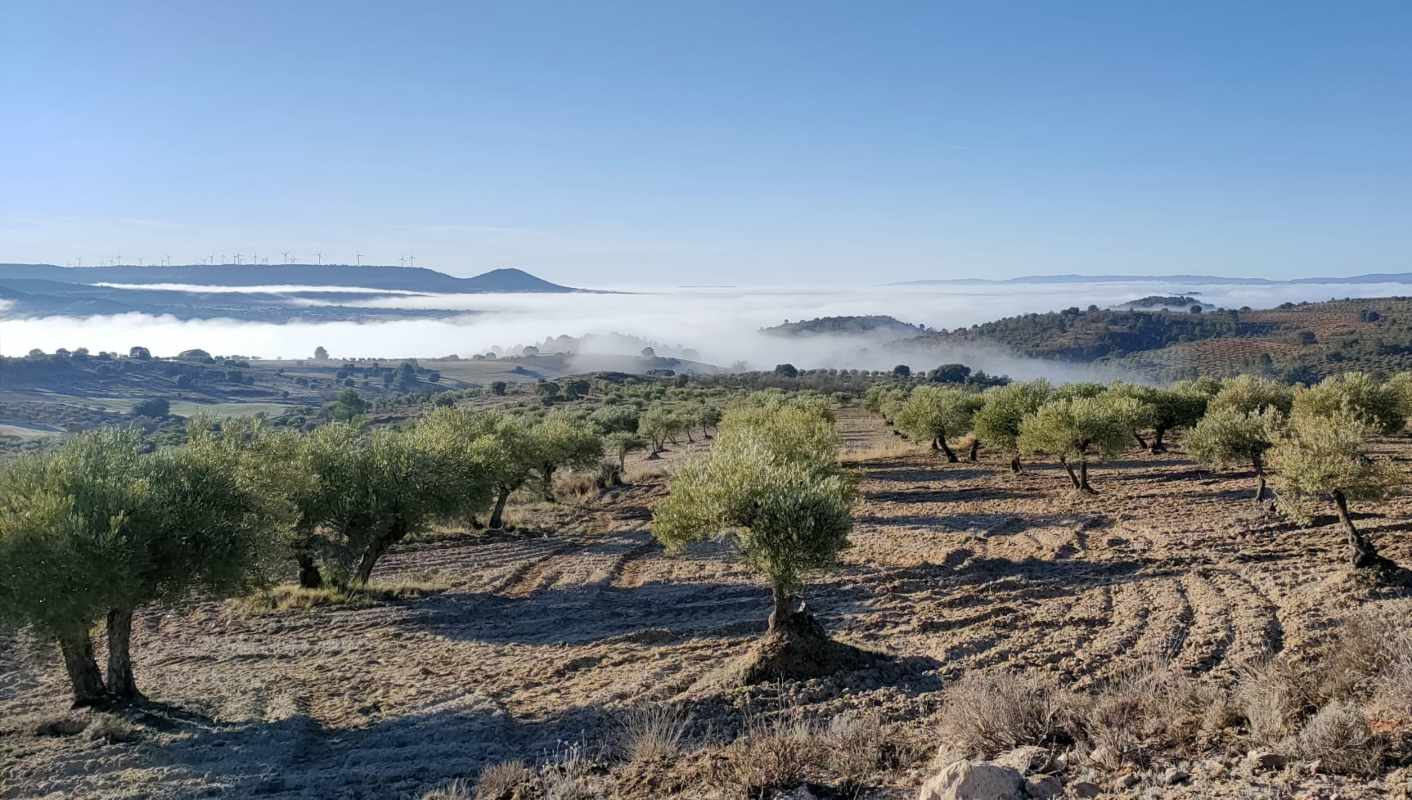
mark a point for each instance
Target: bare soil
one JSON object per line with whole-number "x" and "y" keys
{"x": 543, "y": 642}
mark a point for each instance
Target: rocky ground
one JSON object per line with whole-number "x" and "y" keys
{"x": 543, "y": 643}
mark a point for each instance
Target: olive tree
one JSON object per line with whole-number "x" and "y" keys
{"x": 619, "y": 443}
{"x": 1247, "y": 393}
{"x": 933, "y": 413}
{"x": 99, "y": 529}
{"x": 451, "y": 436}
{"x": 1079, "y": 429}
{"x": 774, "y": 486}
{"x": 373, "y": 491}
{"x": 997, "y": 421}
{"x": 1321, "y": 458}
{"x": 561, "y": 441}
{"x": 1145, "y": 412}
{"x": 1228, "y": 435}
{"x": 656, "y": 425}
{"x": 1378, "y": 405}
{"x": 509, "y": 454}
{"x": 1173, "y": 409}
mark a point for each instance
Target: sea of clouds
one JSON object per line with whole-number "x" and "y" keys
{"x": 721, "y": 324}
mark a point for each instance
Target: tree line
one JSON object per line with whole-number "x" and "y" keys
{"x": 1310, "y": 442}
{"x": 110, "y": 522}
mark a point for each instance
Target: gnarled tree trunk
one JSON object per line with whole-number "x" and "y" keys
{"x": 497, "y": 514}
{"x": 376, "y": 549}
{"x": 782, "y": 606}
{"x": 1259, "y": 464}
{"x": 975, "y": 445}
{"x": 1141, "y": 442}
{"x": 84, "y": 678}
{"x": 1069, "y": 468}
{"x": 121, "y": 683}
{"x": 940, "y": 442}
{"x": 1157, "y": 446}
{"x": 309, "y": 575}
{"x": 1361, "y": 552}
{"x": 1015, "y": 464}
{"x": 548, "y": 472}
{"x": 1083, "y": 478}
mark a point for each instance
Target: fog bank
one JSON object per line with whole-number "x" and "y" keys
{"x": 721, "y": 324}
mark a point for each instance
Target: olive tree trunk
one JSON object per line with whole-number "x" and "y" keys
{"x": 497, "y": 514}
{"x": 1015, "y": 464}
{"x": 121, "y": 683}
{"x": 940, "y": 443}
{"x": 975, "y": 445}
{"x": 782, "y": 606}
{"x": 376, "y": 549}
{"x": 309, "y": 575}
{"x": 548, "y": 473}
{"x": 1361, "y": 552}
{"x": 84, "y": 678}
{"x": 1069, "y": 468}
{"x": 1083, "y": 478}
{"x": 1141, "y": 442}
{"x": 1157, "y": 445}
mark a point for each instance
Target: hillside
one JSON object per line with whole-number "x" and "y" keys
{"x": 407, "y": 279}
{"x": 1303, "y": 341}
{"x": 846, "y": 326}
{"x": 1388, "y": 277}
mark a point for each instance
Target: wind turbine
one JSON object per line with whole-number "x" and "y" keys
{"x": 358, "y": 259}
{"x": 411, "y": 261}
{"x": 286, "y": 256}
{"x": 319, "y": 257}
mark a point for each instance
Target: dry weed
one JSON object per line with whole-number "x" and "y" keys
{"x": 290, "y": 597}
{"x": 984, "y": 714}
{"x": 857, "y": 748}
{"x": 1273, "y": 697}
{"x": 111, "y": 729}
{"x": 772, "y": 755}
{"x": 503, "y": 781}
{"x": 455, "y": 790}
{"x": 653, "y": 734}
{"x": 1339, "y": 739}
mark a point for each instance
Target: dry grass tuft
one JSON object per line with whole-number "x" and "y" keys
{"x": 61, "y": 726}
{"x": 857, "y": 748}
{"x": 504, "y": 781}
{"x": 657, "y": 733}
{"x": 1274, "y": 697}
{"x": 984, "y": 714}
{"x": 1339, "y": 739}
{"x": 771, "y": 755}
{"x": 892, "y": 447}
{"x": 290, "y": 597}
{"x": 111, "y": 729}
{"x": 455, "y": 790}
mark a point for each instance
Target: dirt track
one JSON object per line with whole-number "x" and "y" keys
{"x": 541, "y": 642}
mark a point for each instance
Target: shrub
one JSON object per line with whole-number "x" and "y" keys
{"x": 1338, "y": 737}
{"x": 985, "y": 714}
{"x": 153, "y": 407}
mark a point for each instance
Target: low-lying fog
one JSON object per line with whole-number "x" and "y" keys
{"x": 720, "y": 324}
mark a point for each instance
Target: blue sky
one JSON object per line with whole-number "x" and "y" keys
{"x": 664, "y": 143}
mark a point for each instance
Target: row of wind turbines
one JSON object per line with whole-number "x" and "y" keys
{"x": 239, "y": 259}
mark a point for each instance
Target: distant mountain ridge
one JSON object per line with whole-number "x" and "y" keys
{"x": 409, "y": 279}
{"x": 1387, "y": 277}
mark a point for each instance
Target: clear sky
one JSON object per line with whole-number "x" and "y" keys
{"x": 759, "y": 143}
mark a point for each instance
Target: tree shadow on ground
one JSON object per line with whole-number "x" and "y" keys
{"x": 927, "y": 495}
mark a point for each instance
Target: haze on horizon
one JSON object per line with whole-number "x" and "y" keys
{"x": 632, "y": 144}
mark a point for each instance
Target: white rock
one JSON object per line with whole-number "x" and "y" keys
{"x": 978, "y": 780}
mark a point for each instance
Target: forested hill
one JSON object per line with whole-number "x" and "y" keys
{"x": 848, "y": 326}
{"x": 412, "y": 279}
{"x": 1300, "y": 341}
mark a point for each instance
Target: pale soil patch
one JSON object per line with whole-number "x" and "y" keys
{"x": 540, "y": 642}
